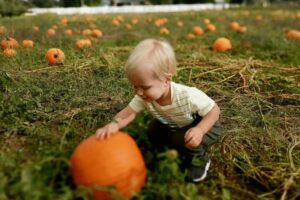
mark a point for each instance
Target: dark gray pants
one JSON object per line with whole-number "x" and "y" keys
{"x": 161, "y": 136}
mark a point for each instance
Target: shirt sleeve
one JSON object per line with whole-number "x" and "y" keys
{"x": 200, "y": 102}
{"x": 137, "y": 104}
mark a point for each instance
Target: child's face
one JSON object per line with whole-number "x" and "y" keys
{"x": 147, "y": 85}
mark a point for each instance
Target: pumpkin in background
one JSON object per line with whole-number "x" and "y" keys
{"x": 206, "y": 21}
{"x": 134, "y": 21}
{"x": 164, "y": 31}
{"x": 9, "y": 42}
{"x": 8, "y": 52}
{"x": 115, "y": 161}
{"x": 68, "y": 32}
{"x": 27, "y": 43}
{"x": 293, "y": 34}
{"x": 197, "y": 30}
{"x": 190, "y": 36}
{"x": 97, "y": 33}
{"x": 242, "y": 29}
{"x": 210, "y": 27}
{"x": 35, "y": 29}
{"x": 83, "y": 43}
{"x": 179, "y": 24}
{"x": 222, "y": 44}
{"x": 87, "y": 32}
{"x": 55, "y": 56}
{"x": 51, "y": 32}
{"x": 234, "y": 26}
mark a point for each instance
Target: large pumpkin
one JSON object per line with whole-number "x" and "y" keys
{"x": 115, "y": 161}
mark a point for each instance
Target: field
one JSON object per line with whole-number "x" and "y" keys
{"x": 45, "y": 111}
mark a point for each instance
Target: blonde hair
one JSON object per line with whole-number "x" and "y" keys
{"x": 157, "y": 53}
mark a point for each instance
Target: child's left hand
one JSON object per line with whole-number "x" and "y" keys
{"x": 193, "y": 137}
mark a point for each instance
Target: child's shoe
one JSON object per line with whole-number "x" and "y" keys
{"x": 198, "y": 169}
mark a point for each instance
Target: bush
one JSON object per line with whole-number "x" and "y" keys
{"x": 12, "y": 8}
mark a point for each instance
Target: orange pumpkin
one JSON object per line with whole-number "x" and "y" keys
{"x": 197, "y": 30}
{"x": 27, "y": 43}
{"x": 51, "y": 32}
{"x": 210, "y": 27}
{"x": 190, "y": 36}
{"x": 35, "y": 29}
{"x": 222, "y": 44}
{"x": 83, "y": 43}
{"x": 206, "y": 21}
{"x": 9, "y": 43}
{"x": 68, "y": 32}
{"x": 258, "y": 18}
{"x": 234, "y": 26}
{"x": 55, "y": 56}
{"x": 164, "y": 31}
{"x": 242, "y": 29}
{"x": 8, "y": 52}
{"x": 115, "y": 22}
{"x": 115, "y": 161}
{"x": 293, "y": 34}
{"x": 128, "y": 26}
{"x": 97, "y": 33}
{"x": 179, "y": 24}
{"x": 87, "y": 32}
{"x": 134, "y": 21}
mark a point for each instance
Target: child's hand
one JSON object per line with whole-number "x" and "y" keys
{"x": 107, "y": 130}
{"x": 193, "y": 137}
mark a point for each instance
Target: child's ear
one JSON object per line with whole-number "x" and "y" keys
{"x": 168, "y": 76}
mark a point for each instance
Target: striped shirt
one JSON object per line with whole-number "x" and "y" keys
{"x": 187, "y": 102}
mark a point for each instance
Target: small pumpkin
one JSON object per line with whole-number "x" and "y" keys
{"x": 128, "y": 26}
{"x": 55, "y": 56}
{"x": 210, "y": 27}
{"x": 97, "y": 33}
{"x": 51, "y": 32}
{"x": 206, "y": 21}
{"x": 9, "y": 42}
{"x": 83, "y": 43}
{"x": 68, "y": 32}
{"x": 179, "y": 24}
{"x": 258, "y": 18}
{"x": 197, "y": 30}
{"x": 164, "y": 31}
{"x": 190, "y": 36}
{"x": 87, "y": 32}
{"x": 234, "y": 26}
{"x": 64, "y": 21}
{"x": 242, "y": 29}
{"x": 8, "y": 52}
{"x": 115, "y": 22}
{"x": 134, "y": 21}
{"x": 115, "y": 161}
{"x": 293, "y": 34}
{"x": 35, "y": 29}
{"x": 222, "y": 44}
{"x": 27, "y": 43}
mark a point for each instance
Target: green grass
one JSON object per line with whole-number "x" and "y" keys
{"x": 45, "y": 111}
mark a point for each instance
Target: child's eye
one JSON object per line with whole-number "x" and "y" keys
{"x": 146, "y": 87}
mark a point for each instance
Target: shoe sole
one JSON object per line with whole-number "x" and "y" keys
{"x": 204, "y": 174}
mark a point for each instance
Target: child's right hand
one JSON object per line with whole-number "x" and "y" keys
{"x": 107, "y": 130}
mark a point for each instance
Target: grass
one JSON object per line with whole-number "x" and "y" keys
{"x": 45, "y": 111}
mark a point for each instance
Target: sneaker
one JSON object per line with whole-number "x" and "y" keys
{"x": 198, "y": 169}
